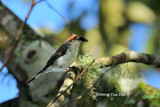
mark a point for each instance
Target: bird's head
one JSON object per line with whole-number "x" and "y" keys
{"x": 74, "y": 37}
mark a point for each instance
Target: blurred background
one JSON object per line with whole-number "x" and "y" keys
{"x": 111, "y": 26}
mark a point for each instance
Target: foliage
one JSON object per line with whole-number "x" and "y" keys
{"x": 150, "y": 94}
{"x": 146, "y": 94}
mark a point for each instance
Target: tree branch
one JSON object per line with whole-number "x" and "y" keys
{"x": 67, "y": 85}
{"x": 130, "y": 56}
{"x": 18, "y": 37}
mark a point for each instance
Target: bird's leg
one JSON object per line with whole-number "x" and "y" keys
{"x": 65, "y": 69}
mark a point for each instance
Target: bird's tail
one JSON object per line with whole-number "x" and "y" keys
{"x": 35, "y": 76}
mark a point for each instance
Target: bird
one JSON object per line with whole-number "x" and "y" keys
{"x": 64, "y": 56}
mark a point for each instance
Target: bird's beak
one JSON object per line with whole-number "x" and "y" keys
{"x": 82, "y": 39}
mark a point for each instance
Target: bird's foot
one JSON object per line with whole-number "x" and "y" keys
{"x": 73, "y": 67}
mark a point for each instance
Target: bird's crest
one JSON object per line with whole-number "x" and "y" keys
{"x": 71, "y": 37}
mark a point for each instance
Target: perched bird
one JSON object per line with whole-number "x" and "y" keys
{"x": 63, "y": 57}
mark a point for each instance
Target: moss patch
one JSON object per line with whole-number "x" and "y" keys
{"x": 90, "y": 77}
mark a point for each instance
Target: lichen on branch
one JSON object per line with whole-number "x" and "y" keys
{"x": 90, "y": 77}
{"x": 131, "y": 56}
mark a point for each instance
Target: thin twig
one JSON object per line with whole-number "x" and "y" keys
{"x": 18, "y": 37}
{"x": 55, "y": 10}
{"x": 39, "y": 1}
{"x": 79, "y": 97}
{"x": 83, "y": 71}
{"x": 73, "y": 82}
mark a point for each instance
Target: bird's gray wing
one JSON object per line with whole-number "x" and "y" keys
{"x": 60, "y": 52}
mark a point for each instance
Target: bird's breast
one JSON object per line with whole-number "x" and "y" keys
{"x": 71, "y": 54}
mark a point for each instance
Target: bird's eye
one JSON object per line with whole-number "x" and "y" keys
{"x": 75, "y": 37}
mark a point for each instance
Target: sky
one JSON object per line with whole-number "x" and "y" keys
{"x": 141, "y": 34}
{"x": 8, "y": 85}
{"x": 43, "y": 16}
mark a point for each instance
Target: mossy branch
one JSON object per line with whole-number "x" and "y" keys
{"x": 68, "y": 81}
{"x": 130, "y": 56}
{"x": 67, "y": 85}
